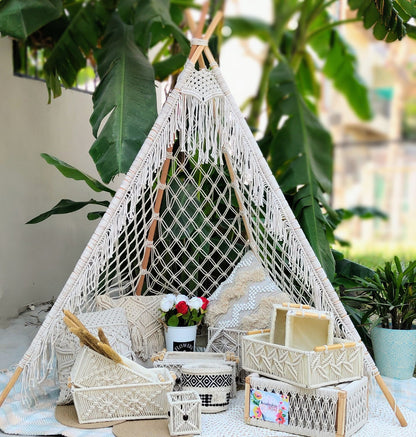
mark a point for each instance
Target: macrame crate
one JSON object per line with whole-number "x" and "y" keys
{"x": 212, "y": 382}
{"x": 184, "y": 413}
{"x": 104, "y": 390}
{"x": 173, "y": 361}
{"x": 308, "y": 369}
{"x": 324, "y": 412}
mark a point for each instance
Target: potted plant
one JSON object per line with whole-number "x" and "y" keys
{"x": 181, "y": 317}
{"x": 390, "y": 310}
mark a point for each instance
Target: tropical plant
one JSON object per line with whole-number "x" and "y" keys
{"x": 116, "y": 35}
{"x": 388, "y": 298}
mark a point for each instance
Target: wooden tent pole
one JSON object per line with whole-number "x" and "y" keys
{"x": 214, "y": 23}
{"x": 390, "y": 400}
{"x": 196, "y": 30}
{"x": 10, "y": 384}
{"x": 152, "y": 229}
{"x": 238, "y": 196}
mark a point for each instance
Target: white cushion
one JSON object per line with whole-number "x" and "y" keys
{"x": 245, "y": 299}
{"x": 143, "y": 314}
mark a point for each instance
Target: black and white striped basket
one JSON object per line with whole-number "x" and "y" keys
{"x": 212, "y": 382}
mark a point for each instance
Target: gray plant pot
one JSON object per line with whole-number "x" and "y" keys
{"x": 394, "y": 352}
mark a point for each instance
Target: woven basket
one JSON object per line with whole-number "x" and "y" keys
{"x": 184, "y": 413}
{"x": 307, "y": 369}
{"x": 212, "y": 382}
{"x": 173, "y": 361}
{"x": 104, "y": 390}
{"x": 322, "y": 412}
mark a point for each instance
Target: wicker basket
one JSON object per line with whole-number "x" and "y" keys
{"x": 307, "y": 369}
{"x": 212, "y": 382}
{"x": 327, "y": 411}
{"x": 174, "y": 361}
{"x": 184, "y": 413}
{"x": 104, "y": 390}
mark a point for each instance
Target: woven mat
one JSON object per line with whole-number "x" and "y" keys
{"x": 14, "y": 419}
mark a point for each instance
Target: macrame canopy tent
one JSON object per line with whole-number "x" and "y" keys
{"x": 198, "y": 196}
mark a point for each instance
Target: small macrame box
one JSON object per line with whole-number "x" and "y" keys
{"x": 198, "y": 197}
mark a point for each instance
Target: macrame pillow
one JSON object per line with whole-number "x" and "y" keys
{"x": 143, "y": 315}
{"x": 115, "y": 327}
{"x": 245, "y": 299}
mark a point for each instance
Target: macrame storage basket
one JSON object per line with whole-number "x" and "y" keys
{"x": 322, "y": 412}
{"x": 184, "y": 413}
{"x": 212, "y": 382}
{"x": 173, "y": 361}
{"x": 104, "y": 390}
{"x": 308, "y": 369}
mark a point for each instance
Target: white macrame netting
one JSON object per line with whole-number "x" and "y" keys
{"x": 201, "y": 233}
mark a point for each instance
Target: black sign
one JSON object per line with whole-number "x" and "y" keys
{"x": 183, "y": 346}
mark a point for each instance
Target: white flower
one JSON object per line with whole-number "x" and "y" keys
{"x": 180, "y": 298}
{"x": 195, "y": 303}
{"x": 166, "y": 304}
{"x": 172, "y": 298}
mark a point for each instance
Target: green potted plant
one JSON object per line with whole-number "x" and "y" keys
{"x": 390, "y": 309}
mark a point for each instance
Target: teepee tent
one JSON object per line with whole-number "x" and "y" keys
{"x": 197, "y": 197}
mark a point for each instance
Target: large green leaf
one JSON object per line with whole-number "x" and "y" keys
{"x": 126, "y": 94}
{"x": 20, "y": 18}
{"x": 73, "y": 173}
{"x": 307, "y": 162}
{"x": 165, "y": 68}
{"x": 66, "y": 206}
{"x": 385, "y": 15}
{"x": 153, "y": 23}
{"x": 311, "y": 147}
{"x": 246, "y": 27}
{"x": 69, "y": 54}
{"x": 340, "y": 65}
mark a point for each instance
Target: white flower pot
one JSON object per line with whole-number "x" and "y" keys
{"x": 181, "y": 338}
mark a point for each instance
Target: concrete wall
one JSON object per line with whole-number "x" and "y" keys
{"x": 36, "y": 260}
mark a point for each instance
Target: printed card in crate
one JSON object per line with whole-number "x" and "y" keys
{"x": 332, "y": 364}
{"x": 338, "y": 410}
{"x": 272, "y": 407}
{"x": 104, "y": 390}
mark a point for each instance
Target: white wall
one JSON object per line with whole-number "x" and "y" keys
{"x": 36, "y": 260}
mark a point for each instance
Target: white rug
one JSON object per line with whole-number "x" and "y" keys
{"x": 17, "y": 420}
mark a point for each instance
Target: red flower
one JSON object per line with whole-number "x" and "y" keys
{"x": 181, "y": 307}
{"x": 205, "y": 303}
